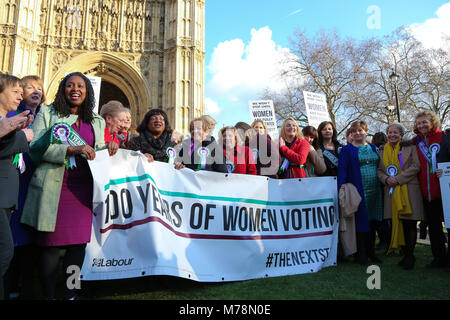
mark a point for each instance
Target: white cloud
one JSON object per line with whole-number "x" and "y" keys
{"x": 211, "y": 107}
{"x": 433, "y": 31}
{"x": 242, "y": 71}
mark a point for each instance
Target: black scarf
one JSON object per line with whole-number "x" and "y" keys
{"x": 157, "y": 147}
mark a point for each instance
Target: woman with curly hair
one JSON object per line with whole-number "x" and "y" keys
{"x": 155, "y": 136}
{"x": 59, "y": 199}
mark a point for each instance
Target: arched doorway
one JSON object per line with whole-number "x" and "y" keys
{"x": 123, "y": 81}
{"x": 109, "y": 91}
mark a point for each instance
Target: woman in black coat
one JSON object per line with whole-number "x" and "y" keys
{"x": 11, "y": 145}
{"x": 155, "y": 136}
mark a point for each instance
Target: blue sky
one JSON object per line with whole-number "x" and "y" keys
{"x": 243, "y": 37}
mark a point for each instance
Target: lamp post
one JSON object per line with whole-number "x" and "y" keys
{"x": 394, "y": 79}
{"x": 390, "y": 109}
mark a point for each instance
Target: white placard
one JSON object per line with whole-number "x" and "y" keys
{"x": 445, "y": 191}
{"x": 264, "y": 110}
{"x": 316, "y": 108}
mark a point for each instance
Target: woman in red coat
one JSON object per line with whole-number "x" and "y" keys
{"x": 294, "y": 150}
{"x": 428, "y": 139}
{"x": 239, "y": 157}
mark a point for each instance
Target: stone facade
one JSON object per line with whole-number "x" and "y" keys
{"x": 149, "y": 53}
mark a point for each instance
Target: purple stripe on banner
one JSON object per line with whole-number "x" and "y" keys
{"x": 212, "y": 236}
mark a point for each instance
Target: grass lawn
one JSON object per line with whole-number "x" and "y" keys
{"x": 345, "y": 281}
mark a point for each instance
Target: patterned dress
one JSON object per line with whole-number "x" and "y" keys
{"x": 368, "y": 163}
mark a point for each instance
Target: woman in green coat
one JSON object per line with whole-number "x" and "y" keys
{"x": 59, "y": 199}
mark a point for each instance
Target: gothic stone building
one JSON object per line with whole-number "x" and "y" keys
{"x": 149, "y": 53}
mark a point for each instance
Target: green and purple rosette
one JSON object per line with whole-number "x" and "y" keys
{"x": 19, "y": 162}
{"x": 171, "y": 153}
{"x": 63, "y": 133}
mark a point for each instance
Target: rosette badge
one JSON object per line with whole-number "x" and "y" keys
{"x": 170, "y": 152}
{"x": 63, "y": 133}
{"x": 230, "y": 166}
{"x": 203, "y": 153}
{"x": 434, "y": 150}
{"x": 392, "y": 171}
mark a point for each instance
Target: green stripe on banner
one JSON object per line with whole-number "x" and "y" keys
{"x": 196, "y": 196}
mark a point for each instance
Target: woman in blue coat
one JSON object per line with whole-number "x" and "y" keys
{"x": 358, "y": 163}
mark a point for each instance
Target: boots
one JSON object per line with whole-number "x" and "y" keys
{"x": 371, "y": 239}
{"x": 361, "y": 247}
{"x": 410, "y": 232}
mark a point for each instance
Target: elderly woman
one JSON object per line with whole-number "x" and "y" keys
{"x": 59, "y": 199}
{"x": 265, "y": 152}
{"x": 294, "y": 151}
{"x": 115, "y": 116}
{"x": 126, "y": 133}
{"x": 155, "y": 136}
{"x": 239, "y": 157}
{"x": 398, "y": 169}
{"x": 428, "y": 139}
{"x": 358, "y": 164}
{"x": 199, "y": 152}
{"x": 10, "y": 145}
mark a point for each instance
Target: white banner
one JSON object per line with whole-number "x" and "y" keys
{"x": 263, "y": 110}
{"x": 316, "y": 108}
{"x": 444, "y": 180}
{"x": 150, "y": 219}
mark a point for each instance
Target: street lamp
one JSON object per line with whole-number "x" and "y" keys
{"x": 390, "y": 109}
{"x": 394, "y": 79}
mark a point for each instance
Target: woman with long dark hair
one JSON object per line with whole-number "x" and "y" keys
{"x": 329, "y": 145}
{"x": 59, "y": 199}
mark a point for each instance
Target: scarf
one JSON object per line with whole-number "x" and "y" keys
{"x": 157, "y": 147}
{"x": 399, "y": 196}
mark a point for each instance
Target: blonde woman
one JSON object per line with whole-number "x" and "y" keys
{"x": 294, "y": 150}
